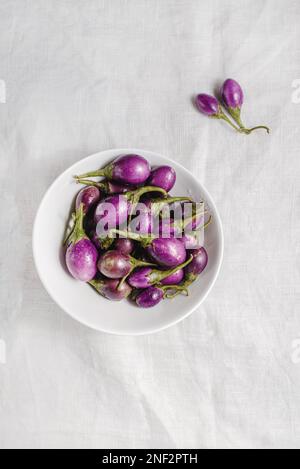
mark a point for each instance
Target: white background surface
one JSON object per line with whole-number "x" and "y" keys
{"x": 84, "y": 76}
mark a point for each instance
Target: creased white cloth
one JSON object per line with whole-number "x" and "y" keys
{"x": 84, "y": 76}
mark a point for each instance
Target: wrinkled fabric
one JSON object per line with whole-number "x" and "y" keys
{"x": 82, "y": 77}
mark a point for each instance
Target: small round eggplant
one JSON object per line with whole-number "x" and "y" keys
{"x": 127, "y": 169}
{"x": 164, "y": 177}
{"x": 174, "y": 279}
{"x": 207, "y": 104}
{"x": 124, "y": 245}
{"x": 149, "y": 297}
{"x": 196, "y": 267}
{"x": 167, "y": 252}
{"x": 88, "y": 196}
{"x": 199, "y": 262}
{"x": 233, "y": 98}
{"x": 111, "y": 289}
{"x": 114, "y": 264}
{"x": 81, "y": 254}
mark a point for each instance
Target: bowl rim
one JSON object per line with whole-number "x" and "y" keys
{"x": 154, "y": 329}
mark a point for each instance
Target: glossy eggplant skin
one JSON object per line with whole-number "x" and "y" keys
{"x": 163, "y": 176}
{"x": 149, "y": 297}
{"x": 167, "y": 252}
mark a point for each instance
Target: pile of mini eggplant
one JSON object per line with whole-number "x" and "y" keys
{"x": 127, "y": 263}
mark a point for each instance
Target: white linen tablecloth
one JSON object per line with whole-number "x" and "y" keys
{"x": 83, "y": 76}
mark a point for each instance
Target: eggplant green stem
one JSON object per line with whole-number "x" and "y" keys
{"x": 236, "y": 115}
{"x": 135, "y": 195}
{"x": 248, "y": 131}
{"x": 177, "y": 289}
{"x": 78, "y": 231}
{"x": 69, "y": 229}
{"x": 144, "y": 240}
{"x": 222, "y": 115}
{"x": 88, "y": 182}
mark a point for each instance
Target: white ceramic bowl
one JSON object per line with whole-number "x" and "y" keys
{"x": 78, "y": 299}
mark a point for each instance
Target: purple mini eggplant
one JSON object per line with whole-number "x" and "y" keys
{"x": 124, "y": 245}
{"x": 114, "y": 264}
{"x": 81, "y": 254}
{"x": 167, "y": 252}
{"x": 233, "y": 99}
{"x": 149, "y": 297}
{"x": 232, "y": 94}
{"x": 208, "y": 105}
{"x": 88, "y": 196}
{"x": 196, "y": 267}
{"x": 163, "y": 176}
{"x": 147, "y": 276}
{"x": 173, "y": 279}
{"x": 127, "y": 169}
{"x": 111, "y": 289}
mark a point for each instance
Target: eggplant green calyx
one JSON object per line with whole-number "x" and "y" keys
{"x": 97, "y": 284}
{"x": 170, "y": 291}
{"x": 69, "y": 229}
{"x": 78, "y": 232}
{"x": 222, "y": 116}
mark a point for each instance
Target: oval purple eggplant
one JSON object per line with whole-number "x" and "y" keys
{"x": 199, "y": 262}
{"x": 232, "y": 94}
{"x": 163, "y": 176}
{"x": 114, "y": 264}
{"x": 167, "y": 252}
{"x": 207, "y": 104}
{"x": 111, "y": 289}
{"x": 140, "y": 278}
{"x": 124, "y": 245}
{"x": 173, "y": 279}
{"x": 81, "y": 254}
{"x": 81, "y": 260}
{"x": 149, "y": 297}
{"x": 88, "y": 196}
